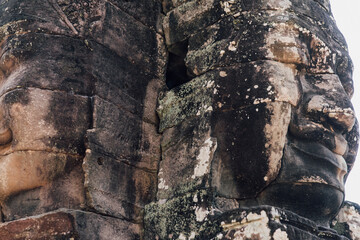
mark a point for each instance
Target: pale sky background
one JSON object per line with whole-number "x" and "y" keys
{"x": 347, "y": 16}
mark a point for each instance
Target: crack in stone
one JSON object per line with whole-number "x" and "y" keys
{"x": 57, "y": 8}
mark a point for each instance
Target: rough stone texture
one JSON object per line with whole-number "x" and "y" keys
{"x": 258, "y": 113}
{"x": 195, "y": 221}
{"x": 347, "y": 222}
{"x": 69, "y": 224}
{"x": 79, "y": 87}
{"x": 174, "y": 119}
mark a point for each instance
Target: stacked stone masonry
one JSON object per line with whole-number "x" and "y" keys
{"x": 175, "y": 119}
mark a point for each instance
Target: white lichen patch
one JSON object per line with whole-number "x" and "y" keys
{"x": 279, "y": 4}
{"x": 182, "y": 237}
{"x": 343, "y": 116}
{"x": 351, "y": 217}
{"x": 232, "y": 46}
{"x": 222, "y": 74}
{"x": 209, "y": 84}
{"x": 312, "y": 179}
{"x": 280, "y": 235}
{"x": 275, "y": 214}
{"x": 220, "y": 236}
{"x": 204, "y": 158}
{"x": 261, "y": 100}
{"x": 227, "y": 6}
{"x": 321, "y": 57}
{"x": 201, "y": 213}
{"x": 162, "y": 184}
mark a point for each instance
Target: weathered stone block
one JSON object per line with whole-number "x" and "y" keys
{"x": 281, "y": 35}
{"x": 90, "y": 226}
{"x": 230, "y": 88}
{"x": 117, "y": 188}
{"x": 56, "y": 225}
{"x": 119, "y": 79}
{"x": 244, "y": 164}
{"x": 37, "y": 16}
{"x": 144, "y": 11}
{"x": 263, "y": 222}
{"x": 30, "y": 61}
{"x": 41, "y": 199}
{"x": 128, "y": 38}
{"x": 70, "y": 225}
{"x": 187, "y": 151}
{"x": 199, "y": 15}
{"x": 42, "y": 131}
{"x": 177, "y": 218}
{"x": 107, "y": 133}
{"x": 46, "y": 120}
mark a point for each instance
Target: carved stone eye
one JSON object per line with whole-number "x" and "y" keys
{"x": 5, "y": 136}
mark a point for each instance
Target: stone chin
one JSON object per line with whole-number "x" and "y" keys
{"x": 310, "y": 182}
{"x": 316, "y": 201}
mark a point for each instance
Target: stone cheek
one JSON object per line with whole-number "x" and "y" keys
{"x": 256, "y": 99}
{"x": 42, "y": 142}
{"x": 245, "y": 164}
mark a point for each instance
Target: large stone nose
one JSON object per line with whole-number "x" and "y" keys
{"x": 340, "y": 116}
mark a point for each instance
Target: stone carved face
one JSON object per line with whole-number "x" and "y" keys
{"x": 43, "y": 123}
{"x": 272, "y": 117}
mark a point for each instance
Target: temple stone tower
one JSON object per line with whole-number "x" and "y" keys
{"x": 175, "y": 119}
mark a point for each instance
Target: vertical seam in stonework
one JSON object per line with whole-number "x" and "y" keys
{"x": 127, "y": 13}
{"x": 57, "y": 8}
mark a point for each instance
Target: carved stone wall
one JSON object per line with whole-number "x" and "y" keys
{"x": 79, "y": 87}
{"x": 175, "y": 119}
